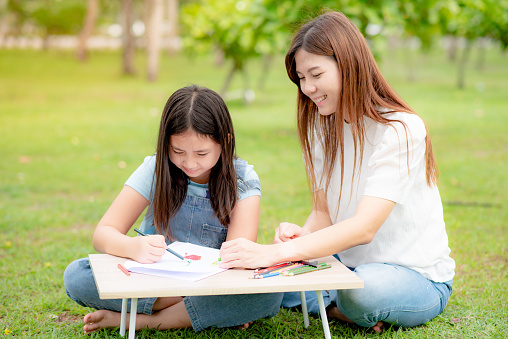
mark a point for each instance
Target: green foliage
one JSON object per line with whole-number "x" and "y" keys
{"x": 473, "y": 19}
{"x": 241, "y": 29}
{"x": 57, "y": 17}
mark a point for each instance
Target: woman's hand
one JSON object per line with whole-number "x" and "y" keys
{"x": 287, "y": 231}
{"x": 247, "y": 254}
{"x": 148, "y": 249}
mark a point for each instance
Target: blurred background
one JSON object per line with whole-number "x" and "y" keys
{"x": 242, "y": 30}
{"x": 83, "y": 84}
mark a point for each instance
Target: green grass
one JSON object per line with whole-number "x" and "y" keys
{"x": 72, "y": 133}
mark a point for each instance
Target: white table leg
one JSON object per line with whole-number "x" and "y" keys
{"x": 304, "y": 309}
{"x": 322, "y": 313}
{"x": 132, "y": 322}
{"x": 123, "y": 317}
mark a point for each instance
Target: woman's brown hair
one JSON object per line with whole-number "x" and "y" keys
{"x": 203, "y": 111}
{"x": 364, "y": 93}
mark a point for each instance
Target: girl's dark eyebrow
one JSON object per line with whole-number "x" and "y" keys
{"x": 198, "y": 151}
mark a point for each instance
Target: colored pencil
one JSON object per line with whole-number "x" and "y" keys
{"x": 123, "y": 269}
{"x": 271, "y": 268}
{"x": 266, "y": 275}
{"x": 167, "y": 249}
{"x": 311, "y": 269}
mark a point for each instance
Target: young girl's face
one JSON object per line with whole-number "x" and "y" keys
{"x": 319, "y": 80}
{"x": 195, "y": 154}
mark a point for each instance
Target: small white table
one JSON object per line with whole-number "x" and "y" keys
{"x": 112, "y": 283}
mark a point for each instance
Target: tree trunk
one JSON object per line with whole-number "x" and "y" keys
{"x": 92, "y": 11}
{"x": 452, "y": 48}
{"x": 248, "y": 93}
{"x": 153, "y": 36}
{"x": 267, "y": 63}
{"x": 228, "y": 79}
{"x": 482, "y": 51}
{"x": 461, "y": 74}
{"x": 173, "y": 41}
{"x": 411, "y": 72}
{"x": 129, "y": 45}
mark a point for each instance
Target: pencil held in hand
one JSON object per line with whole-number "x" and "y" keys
{"x": 167, "y": 248}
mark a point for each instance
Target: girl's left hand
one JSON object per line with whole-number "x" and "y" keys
{"x": 245, "y": 253}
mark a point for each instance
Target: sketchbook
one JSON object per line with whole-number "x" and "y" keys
{"x": 200, "y": 262}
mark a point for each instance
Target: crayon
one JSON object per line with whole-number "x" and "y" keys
{"x": 123, "y": 269}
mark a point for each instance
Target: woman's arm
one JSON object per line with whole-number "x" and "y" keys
{"x": 245, "y": 219}
{"x": 110, "y": 234}
{"x": 319, "y": 218}
{"x": 360, "y": 229}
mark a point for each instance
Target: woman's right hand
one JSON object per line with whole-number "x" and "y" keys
{"x": 148, "y": 249}
{"x": 287, "y": 231}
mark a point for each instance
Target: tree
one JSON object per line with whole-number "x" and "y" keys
{"x": 92, "y": 11}
{"x": 241, "y": 30}
{"x": 56, "y": 17}
{"x": 128, "y": 41}
{"x": 173, "y": 34}
{"x": 153, "y": 23}
{"x": 476, "y": 20}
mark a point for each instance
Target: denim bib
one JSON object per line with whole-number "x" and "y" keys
{"x": 195, "y": 221}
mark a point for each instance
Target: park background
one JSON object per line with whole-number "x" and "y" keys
{"x": 80, "y": 102}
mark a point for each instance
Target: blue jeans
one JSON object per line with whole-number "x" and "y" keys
{"x": 195, "y": 223}
{"x": 204, "y": 311}
{"x": 394, "y": 294}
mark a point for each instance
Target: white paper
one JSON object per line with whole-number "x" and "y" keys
{"x": 173, "y": 267}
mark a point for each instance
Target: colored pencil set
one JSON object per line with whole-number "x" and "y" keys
{"x": 289, "y": 268}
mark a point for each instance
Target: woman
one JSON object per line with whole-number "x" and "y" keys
{"x": 373, "y": 177}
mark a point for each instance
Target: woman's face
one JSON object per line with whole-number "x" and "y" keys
{"x": 319, "y": 80}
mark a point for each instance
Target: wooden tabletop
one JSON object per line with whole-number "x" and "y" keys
{"x": 112, "y": 283}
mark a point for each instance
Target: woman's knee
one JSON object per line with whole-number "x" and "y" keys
{"x": 391, "y": 293}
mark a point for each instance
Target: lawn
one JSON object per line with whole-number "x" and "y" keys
{"x": 72, "y": 133}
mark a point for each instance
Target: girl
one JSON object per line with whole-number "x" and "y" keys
{"x": 197, "y": 191}
{"x": 373, "y": 177}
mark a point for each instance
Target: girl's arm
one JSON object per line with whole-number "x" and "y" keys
{"x": 245, "y": 219}
{"x": 358, "y": 230}
{"x": 110, "y": 234}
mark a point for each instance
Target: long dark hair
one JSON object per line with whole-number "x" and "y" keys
{"x": 364, "y": 91}
{"x": 203, "y": 111}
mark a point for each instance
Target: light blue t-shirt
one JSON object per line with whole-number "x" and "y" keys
{"x": 142, "y": 180}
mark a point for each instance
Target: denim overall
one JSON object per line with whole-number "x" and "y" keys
{"x": 195, "y": 223}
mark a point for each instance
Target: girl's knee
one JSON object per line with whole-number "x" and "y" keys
{"x": 78, "y": 278}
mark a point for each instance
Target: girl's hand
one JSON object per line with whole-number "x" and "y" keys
{"x": 148, "y": 249}
{"x": 245, "y": 253}
{"x": 287, "y": 231}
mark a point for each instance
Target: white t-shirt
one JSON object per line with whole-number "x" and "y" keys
{"x": 414, "y": 234}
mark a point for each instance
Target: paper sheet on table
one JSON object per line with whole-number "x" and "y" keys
{"x": 172, "y": 267}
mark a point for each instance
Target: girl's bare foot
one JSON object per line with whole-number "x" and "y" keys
{"x": 100, "y": 319}
{"x": 333, "y": 312}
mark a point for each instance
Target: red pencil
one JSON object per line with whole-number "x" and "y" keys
{"x": 271, "y": 268}
{"x": 123, "y": 269}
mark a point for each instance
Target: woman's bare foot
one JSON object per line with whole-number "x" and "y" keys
{"x": 100, "y": 319}
{"x": 378, "y": 327}
{"x": 245, "y": 326}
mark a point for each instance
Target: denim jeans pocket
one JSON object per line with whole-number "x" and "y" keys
{"x": 213, "y": 236}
